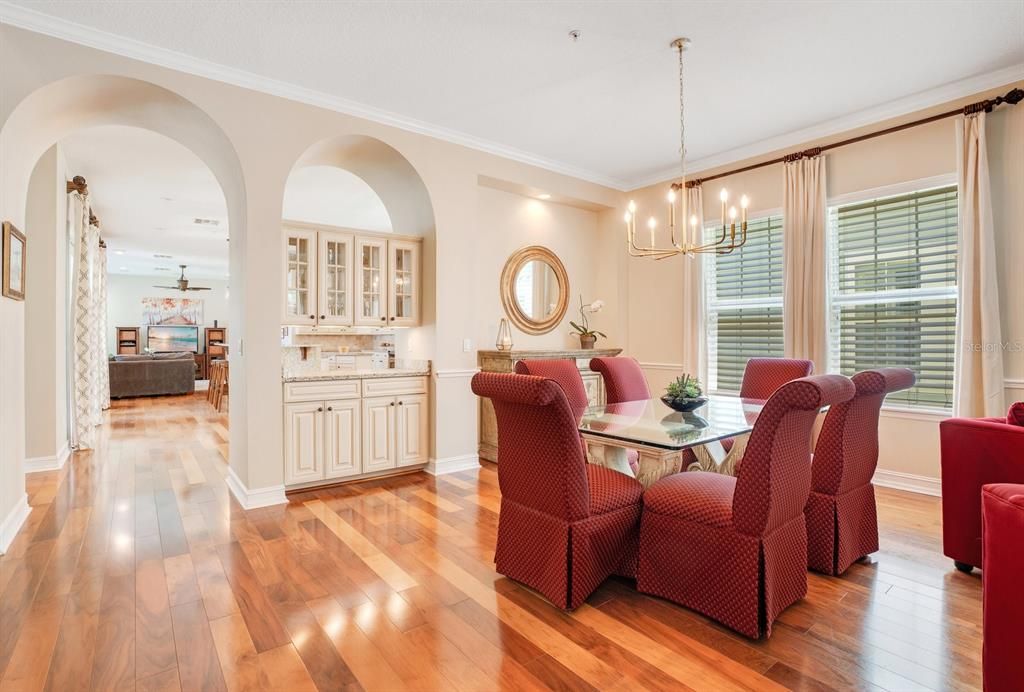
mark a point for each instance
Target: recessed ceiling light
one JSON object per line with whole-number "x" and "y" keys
{"x": 543, "y": 195}
{"x": 118, "y": 252}
{"x": 124, "y": 269}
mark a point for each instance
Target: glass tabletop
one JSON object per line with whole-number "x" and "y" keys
{"x": 651, "y": 423}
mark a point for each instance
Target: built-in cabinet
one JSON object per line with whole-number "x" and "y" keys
{"x": 340, "y": 278}
{"x": 336, "y": 429}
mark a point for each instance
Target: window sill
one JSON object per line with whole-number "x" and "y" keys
{"x": 913, "y": 413}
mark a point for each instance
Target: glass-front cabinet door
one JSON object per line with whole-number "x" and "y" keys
{"x": 403, "y": 283}
{"x": 335, "y": 279}
{"x": 371, "y": 282}
{"x": 299, "y": 276}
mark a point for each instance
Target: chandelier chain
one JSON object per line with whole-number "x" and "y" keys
{"x": 682, "y": 124}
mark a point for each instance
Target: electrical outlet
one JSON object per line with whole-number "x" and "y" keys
{"x": 467, "y": 345}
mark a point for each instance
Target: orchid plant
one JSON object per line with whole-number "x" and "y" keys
{"x": 582, "y": 328}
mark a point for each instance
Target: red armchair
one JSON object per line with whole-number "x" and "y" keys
{"x": 623, "y": 379}
{"x": 565, "y": 373}
{"x": 735, "y": 549}
{"x": 842, "y": 520}
{"x": 974, "y": 452}
{"x": 1003, "y": 565}
{"x": 564, "y": 525}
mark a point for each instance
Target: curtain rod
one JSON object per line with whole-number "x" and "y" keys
{"x": 1013, "y": 97}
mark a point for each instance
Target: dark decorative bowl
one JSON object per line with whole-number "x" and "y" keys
{"x": 684, "y": 405}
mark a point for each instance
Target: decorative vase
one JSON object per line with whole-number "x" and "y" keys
{"x": 504, "y": 341}
{"x": 588, "y": 340}
{"x": 684, "y": 405}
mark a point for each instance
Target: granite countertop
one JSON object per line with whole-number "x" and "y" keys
{"x": 363, "y": 374}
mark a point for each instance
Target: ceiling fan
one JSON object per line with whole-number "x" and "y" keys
{"x": 183, "y": 283}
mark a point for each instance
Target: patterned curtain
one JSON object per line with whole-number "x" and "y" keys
{"x": 87, "y": 362}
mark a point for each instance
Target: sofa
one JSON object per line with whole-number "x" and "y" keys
{"x": 152, "y": 375}
{"x": 975, "y": 451}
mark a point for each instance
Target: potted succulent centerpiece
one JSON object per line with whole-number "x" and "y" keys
{"x": 588, "y": 336}
{"x": 684, "y": 394}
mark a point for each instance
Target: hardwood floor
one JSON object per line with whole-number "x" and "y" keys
{"x": 137, "y": 570}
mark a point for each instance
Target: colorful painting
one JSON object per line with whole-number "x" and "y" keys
{"x": 183, "y": 311}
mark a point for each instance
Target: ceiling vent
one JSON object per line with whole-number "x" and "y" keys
{"x": 206, "y": 222}
{"x": 162, "y": 269}
{"x": 159, "y": 256}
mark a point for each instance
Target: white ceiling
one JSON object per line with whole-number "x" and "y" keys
{"x": 504, "y": 76}
{"x": 147, "y": 191}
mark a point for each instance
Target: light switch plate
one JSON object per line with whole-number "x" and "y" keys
{"x": 467, "y": 345}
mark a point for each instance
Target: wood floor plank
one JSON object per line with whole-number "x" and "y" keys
{"x": 198, "y": 665}
{"x": 137, "y": 568}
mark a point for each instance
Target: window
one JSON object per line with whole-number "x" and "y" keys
{"x": 892, "y": 278}
{"x": 744, "y": 292}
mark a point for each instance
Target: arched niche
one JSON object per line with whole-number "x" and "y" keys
{"x": 336, "y": 197}
{"x": 405, "y": 198}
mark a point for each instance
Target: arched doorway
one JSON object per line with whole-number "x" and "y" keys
{"x": 42, "y": 119}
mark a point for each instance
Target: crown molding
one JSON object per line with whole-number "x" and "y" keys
{"x": 40, "y": 23}
{"x": 869, "y": 116}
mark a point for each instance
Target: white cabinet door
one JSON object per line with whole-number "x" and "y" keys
{"x": 342, "y": 433}
{"x": 378, "y": 434}
{"x": 412, "y": 429}
{"x": 300, "y": 272}
{"x": 403, "y": 283}
{"x": 334, "y": 279}
{"x": 371, "y": 282}
{"x": 303, "y": 443}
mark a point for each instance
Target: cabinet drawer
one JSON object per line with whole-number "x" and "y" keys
{"x": 395, "y": 385}
{"x": 321, "y": 390}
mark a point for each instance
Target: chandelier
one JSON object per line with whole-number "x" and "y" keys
{"x": 687, "y": 241}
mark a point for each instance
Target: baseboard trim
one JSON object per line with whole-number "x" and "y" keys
{"x": 254, "y": 499}
{"x": 13, "y": 522}
{"x": 440, "y": 467}
{"x": 54, "y": 463}
{"x": 922, "y": 485}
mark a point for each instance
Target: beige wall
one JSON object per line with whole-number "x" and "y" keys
{"x": 46, "y": 431}
{"x": 909, "y": 443}
{"x": 251, "y": 141}
{"x": 510, "y": 221}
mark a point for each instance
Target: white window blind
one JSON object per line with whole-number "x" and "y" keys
{"x": 892, "y": 278}
{"x": 744, "y": 296}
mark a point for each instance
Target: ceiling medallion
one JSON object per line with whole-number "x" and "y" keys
{"x": 687, "y": 241}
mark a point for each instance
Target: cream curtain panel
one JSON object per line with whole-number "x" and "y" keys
{"x": 978, "y": 366}
{"x": 90, "y": 383}
{"x": 694, "y": 318}
{"x": 805, "y": 312}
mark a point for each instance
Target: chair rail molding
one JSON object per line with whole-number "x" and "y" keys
{"x": 673, "y": 367}
{"x": 1013, "y": 383}
{"x": 12, "y": 523}
{"x": 50, "y": 463}
{"x": 455, "y": 373}
{"x": 254, "y": 499}
{"x": 464, "y": 462}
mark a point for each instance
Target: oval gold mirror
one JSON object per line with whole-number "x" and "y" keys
{"x": 535, "y": 289}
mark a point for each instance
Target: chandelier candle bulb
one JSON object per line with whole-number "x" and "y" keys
{"x": 693, "y": 229}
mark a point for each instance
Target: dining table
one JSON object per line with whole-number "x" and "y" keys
{"x": 661, "y": 434}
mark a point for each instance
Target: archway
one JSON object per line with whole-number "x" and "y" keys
{"x": 32, "y": 127}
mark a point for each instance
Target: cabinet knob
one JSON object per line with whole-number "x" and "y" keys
{"x": 312, "y": 317}
{"x": 320, "y": 409}
{"x": 400, "y": 403}
{"x": 391, "y": 404}
{"x": 323, "y": 317}
{"x": 330, "y": 408}
{"x": 383, "y": 319}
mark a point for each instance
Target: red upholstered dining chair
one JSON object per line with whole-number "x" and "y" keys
{"x": 975, "y": 451}
{"x": 762, "y": 376}
{"x": 842, "y": 520}
{"x": 565, "y": 525}
{"x": 565, "y": 373}
{"x": 623, "y": 379}
{"x": 735, "y": 549}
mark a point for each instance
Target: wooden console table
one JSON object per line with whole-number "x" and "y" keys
{"x": 505, "y": 361}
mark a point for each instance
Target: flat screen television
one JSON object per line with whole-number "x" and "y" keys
{"x": 170, "y": 338}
